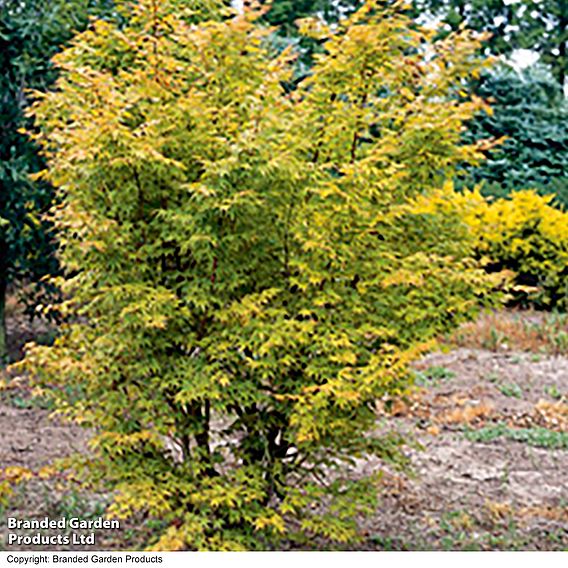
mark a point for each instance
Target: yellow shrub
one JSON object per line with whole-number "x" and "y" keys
{"x": 527, "y": 235}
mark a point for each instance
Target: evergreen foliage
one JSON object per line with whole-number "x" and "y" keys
{"x": 538, "y": 25}
{"x": 529, "y": 116}
{"x": 285, "y": 13}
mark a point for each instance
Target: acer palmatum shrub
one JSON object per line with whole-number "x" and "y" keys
{"x": 249, "y": 268}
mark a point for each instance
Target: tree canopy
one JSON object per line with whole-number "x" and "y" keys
{"x": 529, "y": 115}
{"x": 248, "y": 269}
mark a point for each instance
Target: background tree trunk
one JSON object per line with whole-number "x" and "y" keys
{"x": 3, "y": 348}
{"x": 3, "y": 286}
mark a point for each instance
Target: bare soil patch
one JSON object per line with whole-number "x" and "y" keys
{"x": 470, "y": 488}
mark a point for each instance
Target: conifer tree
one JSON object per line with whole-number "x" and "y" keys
{"x": 529, "y": 116}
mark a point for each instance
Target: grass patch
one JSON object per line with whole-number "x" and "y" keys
{"x": 433, "y": 376}
{"x": 553, "y": 392}
{"x": 538, "y": 437}
{"x": 511, "y": 390}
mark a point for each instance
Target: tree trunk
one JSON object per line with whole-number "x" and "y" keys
{"x": 3, "y": 286}
{"x": 3, "y": 346}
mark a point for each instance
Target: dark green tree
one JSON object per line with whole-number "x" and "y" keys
{"x": 539, "y": 25}
{"x": 31, "y": 32}
{"x": 285, "y": 13}
{"x": 531, "y": 114}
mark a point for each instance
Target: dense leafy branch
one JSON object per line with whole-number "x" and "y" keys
{"x": 264, "y": 264}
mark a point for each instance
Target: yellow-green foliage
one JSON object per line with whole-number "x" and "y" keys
{"x": 527, "y": 235}
{"x": 248, "y": 269}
